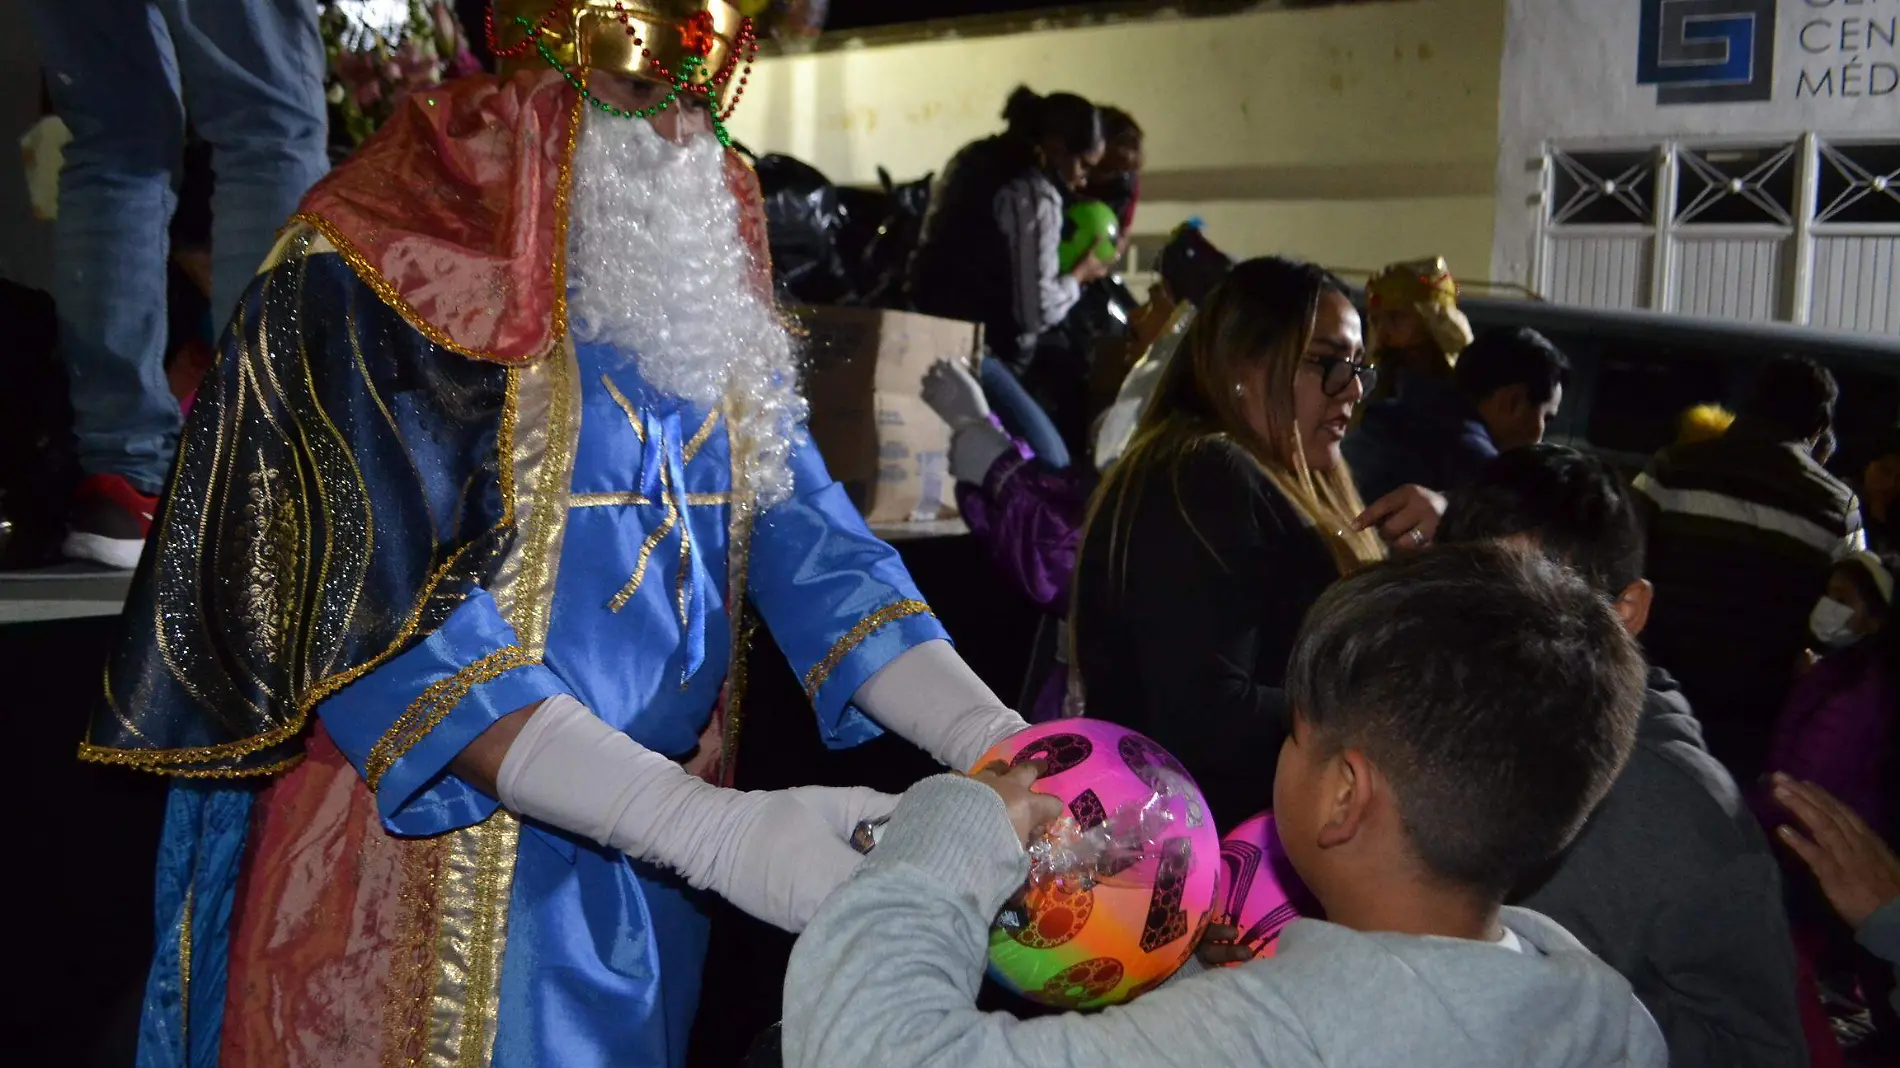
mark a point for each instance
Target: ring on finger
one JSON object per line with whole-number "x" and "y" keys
{"x": 1418, "y": 538}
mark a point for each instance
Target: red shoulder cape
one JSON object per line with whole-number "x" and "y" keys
{"x": 455, "y": 213}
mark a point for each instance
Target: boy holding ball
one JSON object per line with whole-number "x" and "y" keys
{"x": 1456, "y": 715}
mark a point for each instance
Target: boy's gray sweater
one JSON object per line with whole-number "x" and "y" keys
{"x": 886, "y": 977}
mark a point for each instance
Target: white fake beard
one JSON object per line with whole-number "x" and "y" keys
{"x": 657, "y": 269}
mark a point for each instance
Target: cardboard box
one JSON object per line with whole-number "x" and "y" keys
{"x": 864, "y": 378}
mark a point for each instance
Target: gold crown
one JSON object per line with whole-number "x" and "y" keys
{"x": 1426, "y": 281}
{"x": 696, "y": 44}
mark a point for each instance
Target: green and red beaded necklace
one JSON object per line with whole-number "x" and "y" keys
{"x": 697, "y": 35}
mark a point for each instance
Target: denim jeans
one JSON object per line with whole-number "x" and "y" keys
{"x": 120, "y": 73}
{"x": 1019, "y": 412}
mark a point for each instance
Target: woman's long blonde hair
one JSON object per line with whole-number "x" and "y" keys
{"x": 1264, "y": 311}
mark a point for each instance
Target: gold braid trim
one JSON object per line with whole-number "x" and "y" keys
{"x": 434, "y": 704}
{"x": 883, "y": 617}
{"x": 176, "y": 762}
{"x": 166, "y": 761}
{"x": 184, "y": 964}
{"x": 486, "y": 937}
{"x": 412, "y": 958}
{"x": 236, "y": 773}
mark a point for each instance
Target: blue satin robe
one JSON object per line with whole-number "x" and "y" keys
{"x": 603, "y": 958}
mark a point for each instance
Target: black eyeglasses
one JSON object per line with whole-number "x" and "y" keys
{"x": 1336, "y": 374}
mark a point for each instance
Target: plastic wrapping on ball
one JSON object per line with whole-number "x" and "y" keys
{"x": 1133, "y": 833}
{"x": 1120, "y": 888}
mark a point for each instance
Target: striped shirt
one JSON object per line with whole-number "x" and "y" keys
{"x": 1029, "y": 213}
{"x": 1743, "y": 531}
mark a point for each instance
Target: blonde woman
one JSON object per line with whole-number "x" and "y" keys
{"x": 1218, "y": 528}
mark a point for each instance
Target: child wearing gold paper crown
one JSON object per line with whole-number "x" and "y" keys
{"x": 1414, "y": 333}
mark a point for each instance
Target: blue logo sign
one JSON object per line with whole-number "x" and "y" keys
{"x": 1708, "y": 51}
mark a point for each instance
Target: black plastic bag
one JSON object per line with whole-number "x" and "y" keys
{"x": 879, "y": 254}
{"x": 803, "y": 220}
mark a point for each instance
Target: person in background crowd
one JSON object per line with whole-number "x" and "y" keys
{"x": 1704, "y": 422}
{"x": 1836, "y": 734}
{"x": 1743, "y": 532}
{"x": 1455, "y": 717}
{"x": 1190, "y": 267}
{"x": 989, "y": 251}
{"x": 1221, "y": 524}
{"x": 1880, "y": 495}
{"x": 1514, "y": 380}
{"x": 1509, "y": 385}
{"x": 1855, "y": 868}
{"x": 1414, "y": 327}
{"x": 1836, "y": 730}
{"x": 1027, "y": 515}
{"x": 250, "y": 72}
{"x": 1415, "y": 333}
{"x": 1116, "y": 180}
{"x": 1671, "y": 881}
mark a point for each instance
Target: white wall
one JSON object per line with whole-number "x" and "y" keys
{"x": 1354, "y": 135}
{"x": 1570, "y": 73}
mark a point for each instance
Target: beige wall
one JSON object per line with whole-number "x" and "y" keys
{"x": 1355, "y": 134}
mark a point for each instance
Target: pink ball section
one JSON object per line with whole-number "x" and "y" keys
{"x": 1074, "y": 945}
{"x": 1258, "y": 889}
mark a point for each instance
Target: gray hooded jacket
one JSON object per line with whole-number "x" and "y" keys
{"x": 886, "y": 977}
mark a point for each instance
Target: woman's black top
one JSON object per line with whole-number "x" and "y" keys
{"x": 1188, "y": 642}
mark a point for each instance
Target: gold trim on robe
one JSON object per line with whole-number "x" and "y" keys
{"x": 739, "y": 524}
{"x": 467, "y": 876}
{"x": 869, "y": 625}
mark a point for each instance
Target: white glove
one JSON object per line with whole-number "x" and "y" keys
{"x": 955, "y": 395}
{"x": 930, "y": 696}
{"x": 975, "y": 448}
{"x": 767, "y": 853}
{"x": 843, "y": 808}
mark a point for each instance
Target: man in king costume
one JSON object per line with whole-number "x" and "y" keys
{"x": 440, "y": 627}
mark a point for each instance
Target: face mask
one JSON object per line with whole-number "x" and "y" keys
{"x": 1830, "y": 623}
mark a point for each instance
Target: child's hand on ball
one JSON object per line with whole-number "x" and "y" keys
{"x": 1220, "y": 946}
{"x": 1028, "y": 810}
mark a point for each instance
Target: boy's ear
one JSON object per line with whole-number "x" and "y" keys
{"x": 1349, "y": 778}
{"x": 1632, "y": 606}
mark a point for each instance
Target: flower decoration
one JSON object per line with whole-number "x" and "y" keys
{"x": 697, "y": 34}
{"x": 373, "y": 68}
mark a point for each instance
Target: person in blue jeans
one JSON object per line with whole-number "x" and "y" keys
{"x": 120, "y": 76}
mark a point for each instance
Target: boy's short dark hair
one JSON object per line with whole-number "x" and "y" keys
{"x": 1794, "y": 394}
{"x": 1575, "y": 505}
{"x": 1502, "y": 358}
{"x": 1495, "y": 689}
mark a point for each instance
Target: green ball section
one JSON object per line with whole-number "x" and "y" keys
{"x": 1094, "y": 227}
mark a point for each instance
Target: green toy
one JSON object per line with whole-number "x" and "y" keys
{"x": 1092, "y": 225}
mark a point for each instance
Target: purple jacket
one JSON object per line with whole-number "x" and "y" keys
{"x": 1029, "y": 518}
{"x": 1836, "y": 731}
